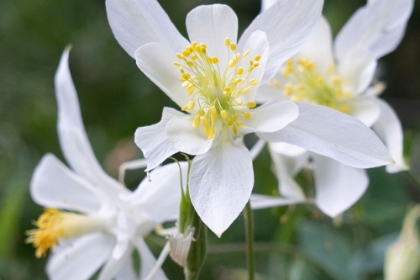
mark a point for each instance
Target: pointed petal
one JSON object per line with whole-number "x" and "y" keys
{"x": 156, "y": 62}
{"x": 211, "y": 24}
{"x": 148, "y": 261}
{"x": 366, "y": 110}
{"x": 152, "y": 193}
{"x": 185, "y": 138}
{"x": 259, "y": 201}
{"x": 377, "y": 27}
{"x": 221, "y": 182}
{"x": 81, "y": 259}
{"x": 113, "y": 266}
{"x": 72, "y": 135}
{"x": 270, "y": 117}
{"x": 389, "y": 129}
{"x": 319, "y": 47}
{"x": 54, "y": 185}
{"x": 328, "y": 132}
{"x": 288, "y": 24}
{"x": 136, "y": 23}
{"x": 287, "y": 165}
{"x": 358, "y": 68}
{"x": 127, "y": 272}
{"x": 152, "y": 139}
{"x": 338, "y": 186}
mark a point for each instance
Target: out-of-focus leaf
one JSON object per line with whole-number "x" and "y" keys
{"x": 415, "y": 159}
{"x": 327, "y": 247}
{"x": 9, "y": 218}
{"x": 371, "y": 258}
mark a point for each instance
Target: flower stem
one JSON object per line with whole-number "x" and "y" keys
{"x": 249, "y": 232}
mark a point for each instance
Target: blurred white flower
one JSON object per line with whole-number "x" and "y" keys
{"x": 402, "y": 259}
{"x": 107, "y": 221}
{"x": 215, "y": 81}
{"x": 344, "y": 84}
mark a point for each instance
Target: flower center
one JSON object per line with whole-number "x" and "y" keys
{"x": 306, "y": 83}
{"x": 54, "y": 224}
{"x": 217, "y": 90}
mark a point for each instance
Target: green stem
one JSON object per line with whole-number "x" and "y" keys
{"x": 249, "y": 230}
{"x": 198, "y": 250}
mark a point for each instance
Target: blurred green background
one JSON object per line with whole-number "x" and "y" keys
{"x": 116, "y": 98}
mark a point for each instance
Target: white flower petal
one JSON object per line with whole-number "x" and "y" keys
{"x": 113, "y": 266}
{"x": 268, "y": 93}
{"x": 148, "y": 261}
{"x": 136, "y": 23}
{"x": 288, "y": 24}
{"x": 259, "y": 201}
{"x": 265, "y": 4}
{"x": 152, "y": 139}
{"x": 287, "y": 167}
{"x": 338, "y": 186}
{"x": 388, "y": 127}
{"x": 270, "y": 117}
{"x": 221, "y": 182}
{"x": 72, "y": 135}
{"x": 377, "y": 27}
{"x": 319, "y": 47}
{"x": 358, "y": 68}
{"x": 152, "y": 193}
{"x": 185, "y": 138}
{"x": 54, "y": 185}
{"x": 211, "y": 24}
{"x": 328, "y": 132}
{"x": 81, "y": 259}
{"x": 156, "y": 62}
{"x": 366, "y": 110}
{"x": 127, "y": 272}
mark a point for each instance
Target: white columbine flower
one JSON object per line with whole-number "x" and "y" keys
{"x": 215, "y": 81}
{"x": 344, "y": 84}
{"x": 100, "y": 222}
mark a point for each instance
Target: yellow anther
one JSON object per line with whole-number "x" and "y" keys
{"x": 232, "y": 46}
{"x": 180, "y": 56}
{"x": 191, "y": 105}
{"x": 203, "y": 50}
{"x": 203, "y": 45}
{"x": 235, "y": 130}
{"x": 196, "y": 121}
{"x": 224, "y": 114}
{"x": 245, "y": 90}
{"x": 257, "y": 57}
{"x": 214, "y": 59}
{"x": 205, "y": 121}
{"x": 176, "y": 63}
{"x": 227, "y": 89}
{"x": 344, "y": 109}
{"x": 186, "y": 53}
{"x": 184, "y": 108}
{"x": 238, "y": 101}
{"x": 213, "y": 110}
{"x": 288, "y": 88}
{"x": 239, "y": 124}
{"x": 240, "y": 70}
{"x": 213, "y": 117}
{"x": 190, "y": 63}
{"x": 194, "y": 44}
{"x": 186, "y": 84}
{"x": 201, "y": 112}
{"x": 255, "y": 65}
{"x": 253, "y": 82}
{"x": 197, "y": 48}
{"x": 182, "y": 70}
{"x": 247, "y": 115}
{"x": 246, "y": 53}
{"x": 190, "y": 90}
{"x": 336, "y": 80}
{"x": 194, "y": 57}
{"x": 251, "y": 104}
{"x": 232, "y": 62}
{"x": 229, "y": 122}
{"x": 186, "y": 76}
{"x": 227, "y": 41}
{"x": 210, "y": 132}
{"x": 235, "y": 117}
